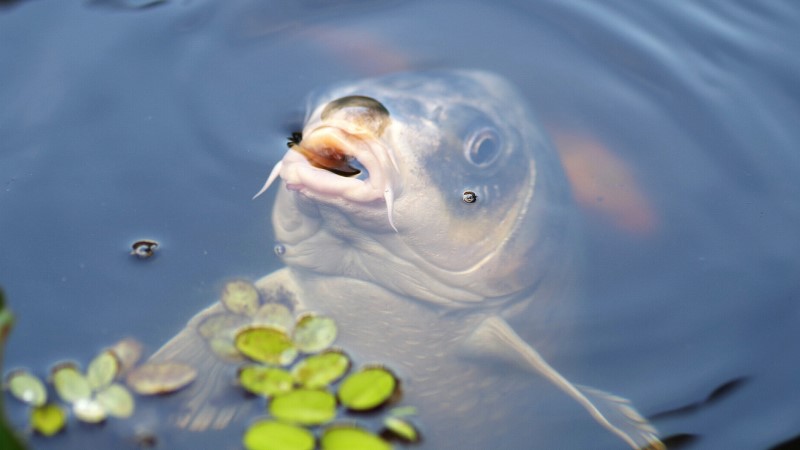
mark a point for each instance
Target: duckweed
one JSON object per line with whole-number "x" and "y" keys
{"x": 314, "y": 333}
{"x": 318, "y": 371}
{"x": 348, "y": 437}
{"x": 367, "y": 389}
{"x": 265, "y": 381}
{"x": 304, "y": 407}
{"x": 26, "y": 387}
{"x": 271, "y": 435}
{"x": 48, "y": 419}
{"x": 266, "y": 344}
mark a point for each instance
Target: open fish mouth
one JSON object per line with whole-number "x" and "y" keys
{"x": 341, "y": 156}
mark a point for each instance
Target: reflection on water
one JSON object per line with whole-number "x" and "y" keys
{"x": 162, "y": 122}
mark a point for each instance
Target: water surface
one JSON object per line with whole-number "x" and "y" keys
{"x": 123, "y": 123}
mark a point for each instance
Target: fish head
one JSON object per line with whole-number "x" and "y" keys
{"x": 437, "y": 185}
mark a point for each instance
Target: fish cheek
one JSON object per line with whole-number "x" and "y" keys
{"x": 481, "y": 224}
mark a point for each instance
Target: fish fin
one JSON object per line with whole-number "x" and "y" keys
{"x": 211, "y": 401}
{"x": 495, "y": 338}
{"x": 276, "y": 170}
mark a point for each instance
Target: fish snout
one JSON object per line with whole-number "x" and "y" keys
{"x": 360, "y": 112}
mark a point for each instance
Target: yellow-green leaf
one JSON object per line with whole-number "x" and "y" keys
{"x": 26, "y": 387}
{"x": 304, "y": 406}
{"x": 48, "y": 419}
{"x": 241, "y": 297}
{"x": 102, "y": 370}
{"x": 160, "y": 378}
{"x": 367, "y": 389}
{"x": 116, "y": 400}
{"x": 265, "y": 381}
{"x": 266, "y": 344}
{"x": 350, "y": 438}
{"x": 320, "y": 370}
{"x": 314, "y": 333}
{"x": 401, "y": 428}
{"x": 71, "y": 385}
{"x": 271, "y": 435}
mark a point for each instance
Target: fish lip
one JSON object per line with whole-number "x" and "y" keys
{"x": 300, "y": 175}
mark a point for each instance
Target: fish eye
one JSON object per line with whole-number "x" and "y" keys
{"x": 482, "y": 147}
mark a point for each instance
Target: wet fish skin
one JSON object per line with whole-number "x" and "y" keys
{"x": 414, "y": 276}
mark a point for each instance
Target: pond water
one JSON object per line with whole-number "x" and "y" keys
{"x": 676, "y": 121}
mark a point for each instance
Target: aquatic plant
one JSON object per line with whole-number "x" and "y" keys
{"x": 289, "y": 361}
{"x": 8, "y": 439}
{"x": 292, "y": 365}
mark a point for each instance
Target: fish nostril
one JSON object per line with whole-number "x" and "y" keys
{"x": 364, "y": 112}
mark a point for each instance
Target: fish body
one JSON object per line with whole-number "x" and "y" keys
{"x": 371, "y": 222}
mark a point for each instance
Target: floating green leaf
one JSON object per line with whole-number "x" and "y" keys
{"x": 271, "y": 435}
{"x": 89, "y": 410}
{"x": 26, "y": 387}
{"x": 48, "y": 419}
{"x": 102, "y": 370}
{"x": 71, "y": 385}
{"x": 265, "y": 381}
{"x": 266, "y": 344}
{"x": 367, "y": 388}
{"x": 318, "y": 371}
{"x": 241, "y": 297}
{"x": 402, "y": 429}
{"x": 304, "y": 406}
{"x": 274, "y": 315}
{"x": 314, "y": 333}
{"x": 160, "y": 378}
{"x": 116, "y": 400}
{"x": 343, "y": 437}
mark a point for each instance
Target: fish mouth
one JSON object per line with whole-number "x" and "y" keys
{"x": 323, "y": 165}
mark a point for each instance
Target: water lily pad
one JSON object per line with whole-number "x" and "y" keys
{"x": 116, "y": 400}
{"x": 71, "y": 385}
{"x": 346, "y": 437}
{"x": 275, "y": 315}
{"x": 265, "y": 381}
{"x": 367, "y": 389}
{"x": 304, "y": 406}
{"x": 401, "y": 429}
{"x": 102, "y": 370}
{"x": 266, "y": 344}
{"x": 271, "y": 435}
{"x": 89, "y": 410}
{"x": 128, "y": 352}
{"x": 26, "y": 387}
{"x": 241, "y": 297}
{"x": 160, "y": 378}
{"x": 223, "y": 325}
{"x": 48, "y": 419}
{"x": 320, "y": 370}
{"x": 314, "y": 333}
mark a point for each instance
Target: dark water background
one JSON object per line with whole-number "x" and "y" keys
{"x": 119, "y": 123}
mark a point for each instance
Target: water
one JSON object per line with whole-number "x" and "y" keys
{"x": 121, "y": 124}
